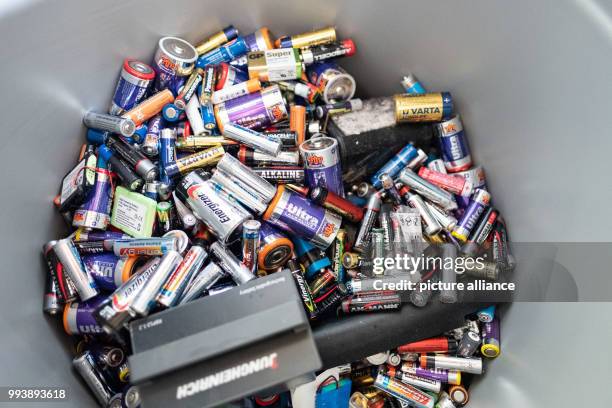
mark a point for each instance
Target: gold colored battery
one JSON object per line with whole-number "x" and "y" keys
{"x": 419, "y": 107}
{"x": 199, "y": 159}
{"x": 201, "y": 142}
{"x": 212, "y": 42}
{"x": 322, "y": 36}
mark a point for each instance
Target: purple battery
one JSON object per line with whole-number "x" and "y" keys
{"x": 296, "y": 214}
{"x": 134, "y": 82}
{"x": 90, "y": 236}
{"x": 322, "y": 161}
{"x": 478, "y": 203}
{"x": 438, "y": 374}
{"x": 227, "y": 75}
{"x": 454, "y": 145}
{"x": 491, "y": 339}
{"x": 78, "y": 317}
{"x": 254, "y": 111}
{"x": 108, "y": 270}
{"x": 95, "y": 211}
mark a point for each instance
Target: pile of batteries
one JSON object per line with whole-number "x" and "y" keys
{"x": 213, "y": 167}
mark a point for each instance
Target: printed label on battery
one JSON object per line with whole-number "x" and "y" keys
{"x": 72, "y": 181}
{"x": 129, "y": 215}
{"x": 281, "y": 65}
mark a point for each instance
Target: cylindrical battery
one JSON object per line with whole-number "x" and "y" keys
{"x": 108, "y": 270}
{"x": 227, "y": 75}
{"x": 372, "y": 302}
{"x": 432, "y": 226}
{"x": 86, "y": 366}
{"x": 251, "y": 138}
{"x": 469, "y": 344}
{"x": 448, "y": 294}
{"x": 134, "y": 81}
{"x": 144, "y": 246}
{"x": 217, "y": 39}
{"x": 225, "y": 53}
{"x": 248, "y": 177}
{"x": 412, "y": 85}
{"x": 145, "y": 299}
{"x": 78, "y": 318}
{"x": 66, "y": 290}
{"x": 113, "y": 313}
{"x": 110, "y": 123}
{"x": 189, "y": 89}
{"x": 127, "y": 176}
{"x": 174, "y": 58}
{"x": 440, "y": 344}
{"x": 471, "y": 365}
{"x": 322, "y": 162}
{"x": 404, "y": 392}
{"x": 309, "y": 39}
{"x": 250, "y": 244}
{"x": 298, "y": 215}
{"x": 222, "y": 217}
{"x": 74, "y": 268}
{"x": 282, "y": 174}
{"x": 478, "y": 203}
{"x": 447, "y": 221}
{"x": 365, "y": 229}
{"x": 334, "y": 202}
{"x": 236, "y": 191}
{"x": 259, "y": 40}
{"x": 491, "y": 340}
{"x": 201, "y": 282}
{"x": 442, "y": 375}
{"x": 450, "y": 183}
{"x": 334, "y": 83}
{"x": 275, "y": 65}
{"x": 426, "y": 189}
{"x": 322, "y": 52}
{"x": 453, "y": 145}
{"x": 274, "y": 248}
{"x": 200, "y": 159}
{"x": 177, "y": 282}
{"x": 255, "y": 158}
{"x": 236, "y": 91}
{"x": 396, "y": 164}
{"x": 228, "y": 262}
{"x": 430, "y": 107}
{"x": 286, "y": 137}
{"x": 150, "y": 107}
{"x": 141, "y": 164}
{"x": 422, "y": 383}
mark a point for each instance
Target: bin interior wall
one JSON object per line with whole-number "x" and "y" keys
{"x": 526, "y": 77}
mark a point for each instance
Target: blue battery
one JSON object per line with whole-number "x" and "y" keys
{"x": 241, "y": 64}
{"x": 140, "y": 133}
{"x": 171, "y": 113}
{"x": 225, "y": 53}
{"x": 208, "y": 117}
{"x": 167, "y": 153}
{"x": 132, "y": 86}
{"x": 97, "y": 137}
{"x": 412, "y": 85}
{"x": 396, "y": 164}
{"x": 487, "y": 314}
{"x": 305, "y": 249}
{"x": 453, "y": 145}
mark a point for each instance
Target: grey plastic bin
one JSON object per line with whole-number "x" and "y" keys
{"x": 531, "y": 80}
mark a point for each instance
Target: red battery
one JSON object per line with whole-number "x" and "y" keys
{"x": 334, "y": 202}
{"x": 432, "y": 345}
{"x": 448, "y": 182}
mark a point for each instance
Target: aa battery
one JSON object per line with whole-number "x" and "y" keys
{"x": 95, "y": 211}
{"x": 259, "y": 40}
{"x": 143, "y": 166}
{"x": 151, "y": 140}
{"x": 222, "y": 217}
{"x": 309, "y": 39}
{"x": 445, "y": 376}
{"x": 322, "y": 161}
{"x": 250, "y": 244}
{"x": 202, "y": 142}
{"x": 404, "y": 392}
{"x": 209, "y": 81}
{"x": 365, "y": 229}
{"x": 440, "y": 344}
{"x": 298, "y": 215}
{"x": 275, "y": 65}
{"x": 108, "y": 270}
{"x": 73, "y": 266}
{"x": 66, "y": 291}
{"x": 52, "y": 296}
{"x": 251, "y": 138}
{"x": 113, "y": 314}
{"x": 78, "y": 318}
{"x": 432, "y": 226}
{"x": 307, "y": 301}
{"x": 225, "y": 53}
{"x": 423, "y": 383}
{"x": 177, "y": 282}
{"x": 372, "y": 302}
{"x": 330, "y": 300}
{"x": 322, "y": 52}
{"x": 255, "y": 158}
{"x": 109, "y": 123}
{"x": 236, "y": 91}
{"x": 228, "y": 262}
{"x": 478, "y": 203}
{"x": 187, "y": 218}
{"x": 236, "y": 191}
{"x": 144, "y": 246}
{"x": 281, "y": 174}
{"x": 174, "y": 59}
{"x": 127, "y": 176}
{"x": 334, "y": 202}
{"x": 189, "y": 89}
{"x": 430, "y": 107}
{"x": 471, "y": 365}
{"x": 448, "y": 275}
{"x": 412, "y": 85}
{"x": 450, "y": 183}
{"x": 200, "y": 159}
{"x": 201, "y": 282}
{"x": 426, "y": 189}
{"x": 395, "y": 165}
{"x": 469, "y": 344}
{"x": 274, "y": 248}
{"x": 134, "y": 81}
{"x": 481, "y": 232}
{"x": 491, "y": 339}
{"x": 454, "y": 145}
{"x": 86, "y": 366}
{"x": 145, "y": 299}
{"x": 150, "y": 107}
{"x": 217, "y": 39}
{"x": 447, "y": 221}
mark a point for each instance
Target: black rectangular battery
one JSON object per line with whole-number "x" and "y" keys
{"x": 224, "y": 347}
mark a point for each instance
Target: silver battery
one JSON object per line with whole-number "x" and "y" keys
{"x": 239, "y": 193}
{"x": 285, "y": 157}
{"x": 437, "y": 165}
{"x": 86, "y": 366}
{"x": 73, "y": 266}
{"x": 252, "y": 139}
{"x": 201, "y": 282}
{"x": 221, "y": 216}
{"x": 365, "y": 229}
{"x": 232, "y": 266}
{"x": 472, "y": 365}
{"x": 431, "y": 192}
{"x": 250, "y": 244}
{"x": 182, "y": 239}
{"x": 144, "y": 246}
{"x": 432, "y": 226}
{"x": 448, "y": 275}
{"x": 447, "y": 221}
{"x": 421, "y": 382}
{"x": 421, "y": 157}
{"x": 188, "y": 220}
{"x": 109, "y": 123}
{"x": 260, "y": 187}
{"x": 192, "y": 110}
{"x": 145, "y": 299}
{"x": 177, "y": 282}
{"x": 378, "y": 249}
